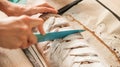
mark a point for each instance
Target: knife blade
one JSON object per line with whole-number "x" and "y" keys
{"x": 55, "y": 35}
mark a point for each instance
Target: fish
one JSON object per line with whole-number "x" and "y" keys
{"x": 71, "y": 51}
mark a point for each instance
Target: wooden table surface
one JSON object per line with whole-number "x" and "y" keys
{"x": 113, "y": 5}
{"x": 16, "y": 58}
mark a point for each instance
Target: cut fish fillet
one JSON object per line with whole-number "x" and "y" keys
{"x": 100, "y": 22}
{"x": 76, "y": 50}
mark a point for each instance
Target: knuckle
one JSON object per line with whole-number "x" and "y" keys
{"x": 23, "y": 37}
{"x": 15, "y": 46}
{"x": 24, "y": 16}
{"x": 24, "y": 28}
{"x": 41, "y": 20}
{"x": 45, "y": 3}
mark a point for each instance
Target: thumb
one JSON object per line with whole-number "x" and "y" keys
{"x": 37, "y": 22}
{"x": 34, "y": 22}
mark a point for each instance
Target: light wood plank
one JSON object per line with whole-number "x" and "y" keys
{"x": 113, "y": 5}
{"x": 13, "y": 58}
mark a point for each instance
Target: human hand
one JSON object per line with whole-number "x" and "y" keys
{"x": 17, "y": 10}
{"x": 42, "y": 8}
{"x": 16, "y": 32}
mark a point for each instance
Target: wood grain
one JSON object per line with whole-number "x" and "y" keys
{"x": 13, "y": 58}
{"x": 112, "y": 4}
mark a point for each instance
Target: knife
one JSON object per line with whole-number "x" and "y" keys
{"x": 68, "y": 6}
{"x": 55, "y": 35}
{"x": 61, "y": 34}
{"x": 18, "y": 1}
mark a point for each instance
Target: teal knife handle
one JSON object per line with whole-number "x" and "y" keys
{"x": 55, "y": 35}
{"x": 14, "y": 1}
{"x": 18, "y": 1}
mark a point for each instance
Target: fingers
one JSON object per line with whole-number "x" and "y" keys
{"x": 39, "y": 23}
{"x": 48, "y": 7}
{"x": 32, "y": 39}
{"x": 45, "y": 5}
{"x": 31, "y": 22}
{"x": 20, "y": 31}
{"x": 41, "y": 30}
{"x": 34, "y": 22}
{"x": 46, "y": 10}
{"x": 24, "y": 43}
{"x": 28, "y": 39}
{"x": 35, "y": 10}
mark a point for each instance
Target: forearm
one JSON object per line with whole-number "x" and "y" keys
{"x": 10, "y": 8}
{"x": 4, "y": 4}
